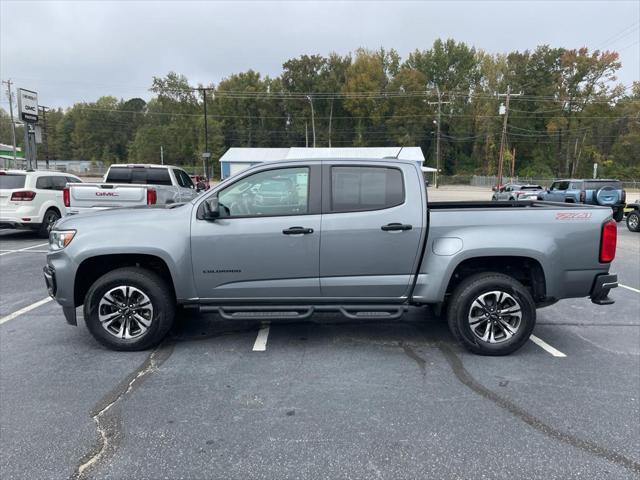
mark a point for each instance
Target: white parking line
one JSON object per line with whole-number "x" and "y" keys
{"x": 260, "y": 344}
{"x": 26, "y": 309}
{"x": 629, "y": 288}
{"x": 544, "y": 345}
{"x": 23, "y": 249}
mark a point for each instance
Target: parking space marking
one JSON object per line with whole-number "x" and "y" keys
{"x": 23, "y": 249}
{"x": 260, "y": 344}
{"x": 629, "y": 288}
{"x": 26, "y": 309}
{"x": 544, "y": 345}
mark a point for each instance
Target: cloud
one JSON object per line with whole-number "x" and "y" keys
{"x": 75, "y": 51}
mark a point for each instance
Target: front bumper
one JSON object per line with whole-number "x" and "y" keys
{"x": 601, "y": 287}
{"x": 58, "y": 294}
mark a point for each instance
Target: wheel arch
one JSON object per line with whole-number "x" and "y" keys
{"x": 92, "y": 268}
{"x": 527, "y": 270}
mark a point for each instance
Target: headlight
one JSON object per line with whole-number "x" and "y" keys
{"x": 58, "y": 239}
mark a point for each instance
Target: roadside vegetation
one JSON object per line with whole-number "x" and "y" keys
{"x": 572, "y": 112}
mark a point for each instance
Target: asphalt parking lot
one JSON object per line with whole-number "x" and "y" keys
{"x": 321, "y": 399}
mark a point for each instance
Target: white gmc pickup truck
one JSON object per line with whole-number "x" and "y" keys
{"x": 129, "y": 186}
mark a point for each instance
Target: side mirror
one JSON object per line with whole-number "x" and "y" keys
{"x": 200, "y": 186}
{"x": 211, "y": 209}
{"x": 494, "y": 189}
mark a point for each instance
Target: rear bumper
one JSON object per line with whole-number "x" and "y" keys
{"x": 601, "y": 287}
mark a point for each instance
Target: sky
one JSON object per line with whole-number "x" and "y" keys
{"x": 80, "y": 50}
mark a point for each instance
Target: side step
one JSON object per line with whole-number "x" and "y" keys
{"x": 301, "y": 312}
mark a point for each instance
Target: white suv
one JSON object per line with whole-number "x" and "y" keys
{"x": 32, "y": 199}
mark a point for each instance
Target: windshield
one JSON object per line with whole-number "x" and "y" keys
{"x": 11, "y": 181}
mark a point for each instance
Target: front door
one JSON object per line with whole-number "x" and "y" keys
{"x": 266, "y": 244}
{"x": 373, "y": 224}
{"x": 557, "y": 192}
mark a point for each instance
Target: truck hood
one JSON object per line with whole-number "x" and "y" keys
{"x": 119, "y": 216}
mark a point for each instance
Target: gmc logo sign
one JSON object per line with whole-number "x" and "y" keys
{"x": 106, "y": 194}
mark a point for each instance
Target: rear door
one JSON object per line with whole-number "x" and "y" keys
{"x": 261, "y": 250}
{"x": 185, "y": 185}
{"x": 373, "y": 222}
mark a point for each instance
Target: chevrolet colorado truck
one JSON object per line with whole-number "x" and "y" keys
{"x": 131, "y": 185}
{"x": 358, "y": 237}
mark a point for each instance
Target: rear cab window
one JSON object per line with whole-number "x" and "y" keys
{"x": 139, "y": 175}
{"x": 355, "y": 188}
{"x": 119, "y": 175}
{"x": 10, "y": 181}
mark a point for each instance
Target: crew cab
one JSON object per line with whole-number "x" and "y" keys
{"x": 591, "y": 192}
{"x": 131, "y": 185}
{"x": 358, "y": 237}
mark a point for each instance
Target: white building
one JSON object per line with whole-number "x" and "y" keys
{"x": 237, "y": 159}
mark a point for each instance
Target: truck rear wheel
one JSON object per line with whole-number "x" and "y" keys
{"x": 129, "y": 308}
{"x": 491, "y": 314}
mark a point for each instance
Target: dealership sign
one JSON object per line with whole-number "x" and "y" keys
{"x": 28, "y": 105}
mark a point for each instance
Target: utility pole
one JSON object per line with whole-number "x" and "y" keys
{"x": 13, "y": 124}
{"x": 439, "y": 103}
{"x": 45, "y": 134}
{"x": 504, "y": 129}
{"x": 513, "y": 164}
{"x": 206, "y": 155}
{"x": 330, "y": 118}
{"x": 313, "y": 121}
{"x": 306, "y": 134}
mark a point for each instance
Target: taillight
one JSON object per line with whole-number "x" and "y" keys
{"x": 608, "y": 240}
{"x": 583, "y": 196}
{"x": 66, "y": 197}
{"x": 23, "y": 196}
{"x": 151, "y": 196}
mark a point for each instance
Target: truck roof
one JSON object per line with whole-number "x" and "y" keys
{"x": 141, "y": 165}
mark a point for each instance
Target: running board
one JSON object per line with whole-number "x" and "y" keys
{"x": 301, "y": 312}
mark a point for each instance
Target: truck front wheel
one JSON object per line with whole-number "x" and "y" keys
{"x": 129, "y": 308}
{"x": 491, "y": 314}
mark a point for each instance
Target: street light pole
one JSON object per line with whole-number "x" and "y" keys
{"x": 313, "y": 122}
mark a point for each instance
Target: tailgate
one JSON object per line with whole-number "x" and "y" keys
{"x": 106, "y": 195}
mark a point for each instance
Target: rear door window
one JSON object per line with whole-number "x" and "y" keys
{"x": 365, "y": 188}
{"x": 183, "y": 179}
{"x": 11, "y": 181}
{"x": 596, "y": 185}
{"x": 44, "y": 183}
{"x": 59, "y": 182}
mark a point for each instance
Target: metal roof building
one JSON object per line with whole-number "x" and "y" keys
{"x": 237, "y": 159}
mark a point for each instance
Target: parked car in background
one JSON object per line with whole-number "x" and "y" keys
{"x": 608, "y": 193}
{"x": 33, "y": 199}
{"x": 356, "y": 237}
{"x": 514, "y": 191}
{"x": 201, "y": 182}
{"x": 633, "y": 216}
{"x": 132, "y": 185}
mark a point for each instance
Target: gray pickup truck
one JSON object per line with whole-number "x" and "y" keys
{"x": 359, "y": 237}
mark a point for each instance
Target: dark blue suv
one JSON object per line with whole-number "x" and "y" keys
{"x": 592, "y": 192}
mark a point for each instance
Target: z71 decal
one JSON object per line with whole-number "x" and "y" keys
{"x": 573, "y": 215}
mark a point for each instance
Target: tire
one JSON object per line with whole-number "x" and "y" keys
{"x": 462, "y": 308}
{"x": 618, "y": 215}
{"x": 633, "y": 221}
{"x": 607, "y": 196}
{"x": 50, "y": 217}
{"x": 156, "y": 317}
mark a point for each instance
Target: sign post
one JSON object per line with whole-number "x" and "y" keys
{"x": 28, "y": 113}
